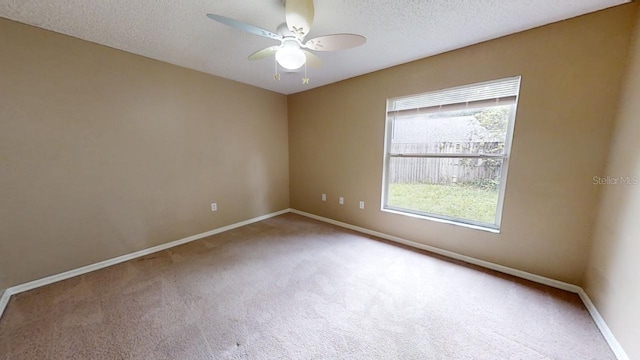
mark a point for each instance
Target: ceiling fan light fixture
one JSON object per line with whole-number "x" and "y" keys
{"x": 290, "y": 56}
{"x": 294, "y": 51}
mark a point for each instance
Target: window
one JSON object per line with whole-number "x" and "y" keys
{"x": 447, "y": 153}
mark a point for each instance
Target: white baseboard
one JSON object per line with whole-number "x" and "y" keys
{"x": 593, "y": 311}
{"x": 602, "y": 325}
{"x": 102, "y": 264}
{"x": 4, "y": 301}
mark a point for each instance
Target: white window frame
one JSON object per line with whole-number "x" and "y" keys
{"x": 506, "y": 156}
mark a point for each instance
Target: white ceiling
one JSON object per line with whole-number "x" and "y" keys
{"x": 178, "y": 32}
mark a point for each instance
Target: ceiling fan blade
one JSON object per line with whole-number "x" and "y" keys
{"x": 266, "y": 52}
{"x": 312, "y": 59}
{"x": 244, "y": 27}
{"x": 335, "y": 42}
{"x": 299, "y": 15}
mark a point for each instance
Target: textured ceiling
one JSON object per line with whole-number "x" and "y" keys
{"x": 178, "y": 32}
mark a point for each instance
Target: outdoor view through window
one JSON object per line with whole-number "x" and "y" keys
{"x": 447, "y": 152}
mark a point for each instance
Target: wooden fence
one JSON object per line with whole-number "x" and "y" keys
{"x": 444, "y": 170}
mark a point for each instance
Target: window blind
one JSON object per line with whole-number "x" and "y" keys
{"x": 498, "y": 92}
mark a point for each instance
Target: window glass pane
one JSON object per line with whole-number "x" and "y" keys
{"x": 460, "y": 188}
{"x": 447, "y": 152}
{"x": 468, "y": 131}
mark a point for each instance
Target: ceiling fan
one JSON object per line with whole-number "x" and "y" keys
{"x": 292, "y": 53}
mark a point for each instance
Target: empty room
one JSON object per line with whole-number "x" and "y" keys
{"x": 319, "y": 179}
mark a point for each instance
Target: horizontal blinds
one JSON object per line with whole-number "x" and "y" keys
{"x": 449, "y": 156}
{"x": 509, "y": 100}
{"x": 499, "y": 92}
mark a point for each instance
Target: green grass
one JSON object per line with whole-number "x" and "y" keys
{"x": 459, "y": 201}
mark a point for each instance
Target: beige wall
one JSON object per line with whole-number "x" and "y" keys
{"x": 612, "y": 276}
{"x": 103, "y": 152}
{"x": 571, "y": 74}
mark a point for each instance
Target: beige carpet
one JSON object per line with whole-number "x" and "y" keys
{"x": 294, "y": 288}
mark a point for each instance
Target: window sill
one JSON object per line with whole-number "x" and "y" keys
{"x": 444, "y": 221}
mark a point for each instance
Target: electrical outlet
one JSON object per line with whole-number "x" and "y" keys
{"x": 214, "y": 206}
{"x": 341, "y": 200}
{"x": 361, "y": 204}
{"x": 324, "y": 197}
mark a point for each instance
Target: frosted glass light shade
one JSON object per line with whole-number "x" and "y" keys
{"x": 290, "y": 57}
